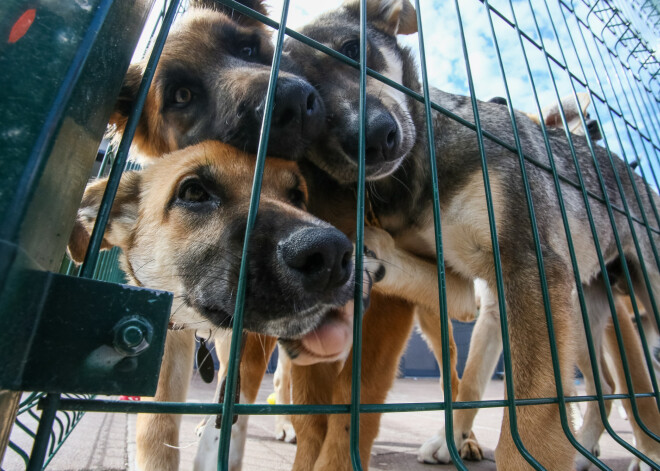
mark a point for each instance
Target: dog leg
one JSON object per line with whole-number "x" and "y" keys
{"x": 641, "y": 381}
{"x": 592, "y": 427}
{"x": 539, "y": 426}
{"x": 282, "y": 383}
{"x": 484, "y": 353}
{"x": 415, "y": 279}
{"x": 254, "y": 361}
{"x": 157, "y": 435}
{"x": 312, "y": 384}
{"x": 386, "y": 329}
{"x": 429, "y": 323}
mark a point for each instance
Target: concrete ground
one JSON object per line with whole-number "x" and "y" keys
{"x": 107, "y": 441}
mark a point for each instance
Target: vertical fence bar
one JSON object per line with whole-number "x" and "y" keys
{"x": 89, "y": 264}
{"x": 607, "y": 204}
{"x": 583, "y": 309}
{"x": 623, "y": 354}
{"x": 444, "y": 321}
{"x": 562, "y": 208}
{"x": 644, "y": 342}
{"x": 497, "y": 262}
{"x": 356, "y": 372}
{"x": 237, "y": 321}
{"x": 40, "y": 446}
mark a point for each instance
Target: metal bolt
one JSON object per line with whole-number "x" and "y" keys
{"x": 132, "y": 335}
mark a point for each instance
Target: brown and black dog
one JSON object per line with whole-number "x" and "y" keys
{"x": 181, "y": 223}
{"x": 210, "y": 83}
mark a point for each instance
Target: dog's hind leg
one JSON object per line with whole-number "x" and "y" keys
{"x": 254, "y": 361}
{"x": 386, "y": 329}
{"x": 157, "y": 435}
{"x": 641, "y": 381}
{"x": 598, "y": 312}
{"x": 282, "y": 384}
{"x": 484, "y": 353}
{"x": 539, "y": 426}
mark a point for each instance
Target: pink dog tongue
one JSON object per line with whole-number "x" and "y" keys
{"x": 330, "y": 338}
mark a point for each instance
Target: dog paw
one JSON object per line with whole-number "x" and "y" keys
{"x": 582, "y": 463}
{"x": 199, "y": 430}
{"x": 470, "y": 450}
{"x": 379, "y": 242}
{"x": 434, "y": 450}
{"x": 637, "y": 465}
{"x": 284, "y": 431}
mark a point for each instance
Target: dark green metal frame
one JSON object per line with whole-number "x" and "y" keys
{"x": 616, "y": 57}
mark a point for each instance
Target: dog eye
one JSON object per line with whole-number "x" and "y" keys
{"x": 249, "y": 51}
{"x": 351, "y": 49}
{"x": 182, "y": 95}
{"x": 297, "y": 198}
{"x": 192, "y": 191}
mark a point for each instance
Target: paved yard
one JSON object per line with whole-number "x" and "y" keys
{"x": 107, "y": 441}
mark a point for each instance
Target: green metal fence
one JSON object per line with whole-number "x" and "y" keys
{"x": 583, "y": 45}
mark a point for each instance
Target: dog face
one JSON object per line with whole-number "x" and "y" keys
{"x": 211, "y": 83}
{"x": 181, "y": 222}
{"x": 390, "y": 133}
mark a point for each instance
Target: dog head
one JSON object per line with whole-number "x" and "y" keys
{"x": 390, "y": 132}
{"x": 181, "y": 221}
{"x": 211, "y": 83}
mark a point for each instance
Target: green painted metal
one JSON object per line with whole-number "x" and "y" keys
{"x": 237, "y": 321}
{"x": 56, "y": 141}
{"x": 78, "y": 338}
{"x": 356, "y": 371}
{"x": 646, "y": 135}
{"x": 437, "y": 221}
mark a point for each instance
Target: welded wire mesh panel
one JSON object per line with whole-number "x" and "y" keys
{"x": 532, "y": 55}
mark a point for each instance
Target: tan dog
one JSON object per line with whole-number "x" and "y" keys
{"x": 180, "y": 224}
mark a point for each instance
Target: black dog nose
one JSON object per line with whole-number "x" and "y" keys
{"x": 381, "y": 138}
{"x": 298, "y": 110}
{"x": 319, "y": 257}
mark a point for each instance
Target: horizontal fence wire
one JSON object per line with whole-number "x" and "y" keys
{"x": 590, "y": 48}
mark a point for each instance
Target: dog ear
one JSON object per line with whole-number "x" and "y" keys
{"x": 126, "y": 98}
{"x": 121, "y": 222}
{"x": 392, "y": 16}
{"x": 552, "y": 117}
{"x": 256, "y": 5}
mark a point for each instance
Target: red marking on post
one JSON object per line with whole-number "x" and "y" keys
{"x": 22, "y": 25}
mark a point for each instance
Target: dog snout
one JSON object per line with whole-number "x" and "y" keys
{"x": 319, "y": 258}
{"x": 381, "y": 138}
{"x": 298, "y": 109}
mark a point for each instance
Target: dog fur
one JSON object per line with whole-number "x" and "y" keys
{"x": 398, "y": 175}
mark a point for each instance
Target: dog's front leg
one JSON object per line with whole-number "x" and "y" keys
{"x": 484, "y": 353}
{"x": 415, "y": 279}
{"x": 386, "y": 328}
{"x": 539, "y": 426}
{"x": 282, "y": 383}
{"x": 157, "y": 435}
{"x": 312, "y": 384}
{"x": 254, "y": 361}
